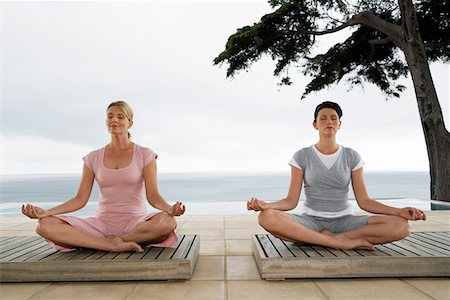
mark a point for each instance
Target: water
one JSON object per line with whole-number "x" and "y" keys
{"x": 207, "y": 193}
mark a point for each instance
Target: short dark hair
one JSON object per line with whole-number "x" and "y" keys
{"x": 328, "y": 104}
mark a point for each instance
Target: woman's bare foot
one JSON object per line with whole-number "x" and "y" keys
{"x": 119, "y": 245}
{"x": 344, "y": 242}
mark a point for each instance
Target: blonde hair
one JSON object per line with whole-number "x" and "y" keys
{"x": 126, "y": 108}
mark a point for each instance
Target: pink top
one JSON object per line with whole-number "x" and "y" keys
{"x": 122, "y": 190}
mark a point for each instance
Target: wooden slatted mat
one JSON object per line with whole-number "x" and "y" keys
{"x": 29, "y": 259}
{"x": 421, "y": 254}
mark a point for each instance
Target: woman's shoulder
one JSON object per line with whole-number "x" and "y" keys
{"x": 303, "y": 151}
{"x": 349, "y": 150}
{"x": 93, "y": 158}
{"x": 351, "y": 154}
{"x": 142, "y": 149}
{"x": 302, "y": 154}
{"x": 145, "y": 154}
{"x": 96, "y": 152}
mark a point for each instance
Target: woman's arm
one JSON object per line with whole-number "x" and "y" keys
{"x": 373, "y": 206}
{"x": 288, "y": 203}
{"x": 71, "y": 205}
{"x": 153, "y": 196}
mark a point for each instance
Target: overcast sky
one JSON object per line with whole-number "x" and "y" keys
{"x": 64, "y": 62}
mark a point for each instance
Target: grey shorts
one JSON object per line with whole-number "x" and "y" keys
{"x": 335, "y": 225}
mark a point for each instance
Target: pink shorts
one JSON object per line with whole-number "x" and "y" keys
{"x": 110, "y": 225}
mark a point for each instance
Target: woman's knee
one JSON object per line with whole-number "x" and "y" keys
{"x": 267, "y": 217}
{"x": 400, "y": 228}
{"x": 403, "y": 228}
{"x": 171, "y": 223}
{"x": 166, "y": 222}
{"x": 46, "y": 225}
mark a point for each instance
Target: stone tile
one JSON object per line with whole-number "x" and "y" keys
{"x": 7, "y": 225}
{"x": 238, "y": 247}
{"x": 209, "y": 268}
{"x": 212, "y": 247}
{"x": 183, "y": 218}
{"x": 179, "y": 224}
{"x": 24, "y": 226}
{"x": 18, "y": 233}
{"x": 19, "y": 291}
{"x": 383, "y": 289}
{"x": 17, "y": 219}
{"x": 262, "y": 289}
{"x": 431, "y": 228}
{"x": 207, "y": 290}
{"x": 86, "y": 290}
{"x": 203, "y": 224}
{"x": 239, "y": 234}
{"x": 427, "y": 222}
{"x": 440, "y": 212}
{"x": 442, "y": 220}
{"x": 241, "y": 268}
{"x": 437, "y": 217}
{"x": 242, "y": 217}
{"x": 206, "y": 218}
{"x": 438, "y": 288}
{"x": 241, "y": 223}
{"x": 205, "y": 234}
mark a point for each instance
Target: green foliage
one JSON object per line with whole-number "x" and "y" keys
{"x": 287, "y": 36}
{"x": 276, "y": 35}
{"x": 359, "y": 62}
{"x": 434, "y": 24}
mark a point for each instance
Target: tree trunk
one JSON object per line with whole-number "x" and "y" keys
{"x": 437, "y": 138}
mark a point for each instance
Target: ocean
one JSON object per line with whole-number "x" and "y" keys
{"x": 207, "y": 193}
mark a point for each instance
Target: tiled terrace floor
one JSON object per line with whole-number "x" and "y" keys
{"x": 226, "y": 270}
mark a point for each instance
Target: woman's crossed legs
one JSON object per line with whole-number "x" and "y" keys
{"x": 153, "y": 230}
{"x": 379, "y": 229}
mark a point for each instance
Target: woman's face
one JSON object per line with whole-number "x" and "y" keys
{"x": 327, "y": 122}
{"x": 116, "y": 121}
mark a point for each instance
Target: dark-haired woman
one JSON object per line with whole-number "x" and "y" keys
{"x": 326, "y": 169}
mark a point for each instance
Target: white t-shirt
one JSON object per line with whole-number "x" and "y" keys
{"x": 327, "y": 159}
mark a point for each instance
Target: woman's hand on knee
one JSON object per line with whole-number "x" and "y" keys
{"x": 412, "y": 213}
{"x": 34, "y": 212}
{"x": 177, "y": 209}
{"x": 256, "y": 204}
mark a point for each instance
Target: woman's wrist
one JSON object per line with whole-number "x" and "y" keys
{"x": 395, "y": 212}
{"x": 168, "y": 209}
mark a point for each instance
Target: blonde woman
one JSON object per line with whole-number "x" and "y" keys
{"x": 126, "y": 175}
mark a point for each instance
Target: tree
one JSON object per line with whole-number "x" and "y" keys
{"x": 384, "y": 30}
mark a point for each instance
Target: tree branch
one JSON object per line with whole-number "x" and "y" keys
{"x": 392, "y": 31}
{"x": 368, "y": 19}
{"x": 384, "y": 41}
{"x": 332, "y": 30}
